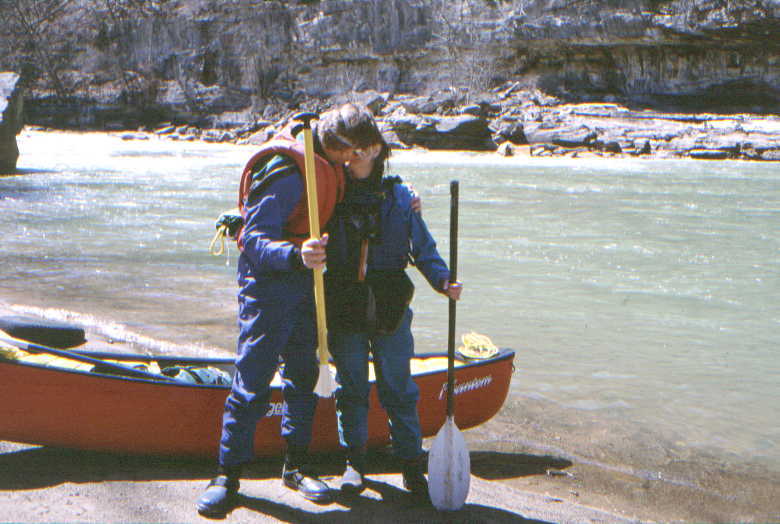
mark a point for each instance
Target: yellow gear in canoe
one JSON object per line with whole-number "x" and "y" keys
{"x": 477, "y": 347}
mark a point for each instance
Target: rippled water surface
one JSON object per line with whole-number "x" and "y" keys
{"x": 644, "y": 290}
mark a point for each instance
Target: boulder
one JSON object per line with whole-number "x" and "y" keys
{"x": 511, "y": 131}
{"x": 261, "y": 136}
{"x": 373, "y": 100}
{"x": 564, "y": 135}
{"x": 709, "y": 154}
{"x": 771, "y": 155}
{"x": 464, "y": 132}
{"x": 505, "y": 149}
{"x": 11, "y": 121}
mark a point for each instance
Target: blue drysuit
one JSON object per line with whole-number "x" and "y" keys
{"x": 275, "y": 319}
{"x": 402, "y": 235}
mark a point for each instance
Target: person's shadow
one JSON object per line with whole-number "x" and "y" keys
{"x": 393, "y": 505}
{"x": 42, "y": 467}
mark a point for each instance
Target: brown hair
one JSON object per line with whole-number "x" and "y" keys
{"x": 351, "y": 121}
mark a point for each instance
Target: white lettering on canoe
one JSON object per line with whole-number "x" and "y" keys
{"x": 475, "y": 383}
{"x": 274, "y": 409}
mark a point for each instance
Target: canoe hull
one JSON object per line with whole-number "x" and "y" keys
{"x": 49, "y": 406}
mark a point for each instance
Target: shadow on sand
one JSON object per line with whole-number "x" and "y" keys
{"x": 41, "y": 467}
{"x": 394, "y": 503}
{"x": 32, "y": 468}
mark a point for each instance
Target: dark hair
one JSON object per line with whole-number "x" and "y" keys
{"x": 351, "y": 121}
{"x": 380, "y": 164}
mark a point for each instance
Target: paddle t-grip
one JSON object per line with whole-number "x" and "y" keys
{"x": 306, "y": 118}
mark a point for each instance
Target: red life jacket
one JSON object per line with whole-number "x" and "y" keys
{"x": 330, "y": 186}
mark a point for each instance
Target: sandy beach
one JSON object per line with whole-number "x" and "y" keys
{"x": 41, "y": 484}
{"x": 50, "y": 485}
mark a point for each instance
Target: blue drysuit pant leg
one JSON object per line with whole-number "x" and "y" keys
{"x": 265, "y": 335}
{"x": 398, "y": 393}
{"x": 299, "y": 378}
{"x": 350, "y": 354}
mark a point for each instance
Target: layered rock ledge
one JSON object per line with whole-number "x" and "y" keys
{"x": 519, "y": 121}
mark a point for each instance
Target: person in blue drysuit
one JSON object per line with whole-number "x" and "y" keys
{"x": 276, "y": 308}
{"x": 377, "y": 213}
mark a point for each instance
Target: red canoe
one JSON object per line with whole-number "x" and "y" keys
{"x": 43, "y": 403}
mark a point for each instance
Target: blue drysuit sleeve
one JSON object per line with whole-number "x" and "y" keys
{"x": 266, "y": 215}
{"x": 423, "y": 247}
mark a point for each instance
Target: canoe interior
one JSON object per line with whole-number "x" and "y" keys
{"x": 426, "y": 363}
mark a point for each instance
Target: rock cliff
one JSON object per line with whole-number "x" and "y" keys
{"x": 117, "y": 63}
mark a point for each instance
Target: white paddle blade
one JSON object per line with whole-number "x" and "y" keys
{"x": 326, "y": 385}
{"x": 449, "y": 468}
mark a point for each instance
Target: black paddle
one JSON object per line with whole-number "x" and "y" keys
{"x": 449, "y": 465}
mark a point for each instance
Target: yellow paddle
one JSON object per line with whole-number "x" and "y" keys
{"x": 449, "y": 464}
{"x": 325, "y": 383}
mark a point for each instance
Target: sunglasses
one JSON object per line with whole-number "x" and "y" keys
{"x": 359, "y": 152}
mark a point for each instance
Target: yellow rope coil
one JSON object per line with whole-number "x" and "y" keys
{"x": 477, "y": 346}
{"x": 219, "y": 238}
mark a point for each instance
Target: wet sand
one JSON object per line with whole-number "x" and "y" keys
{"x": 610, "y": 466}
{"x": 512, "y": 481}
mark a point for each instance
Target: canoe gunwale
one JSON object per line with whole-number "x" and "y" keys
{"x": 504, "y": 353}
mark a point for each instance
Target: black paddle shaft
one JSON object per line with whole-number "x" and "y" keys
{"x": 453, "y": 279}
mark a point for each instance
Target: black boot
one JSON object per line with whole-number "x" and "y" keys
{"x": 296, "y": 475}
{"x": 220, "y": 495}
{"x": 353, "y": 481}
{"x": 414, "y": 478}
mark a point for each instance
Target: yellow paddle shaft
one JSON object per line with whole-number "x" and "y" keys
{"x": 314, "y": 231}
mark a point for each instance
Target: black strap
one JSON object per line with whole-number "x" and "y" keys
{"x": 260, "y": 183}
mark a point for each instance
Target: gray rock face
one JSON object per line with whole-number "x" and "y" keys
{"x": 10, "y": 121}
{"x": 465, "y": 132}
{"x": 208, "y": 63}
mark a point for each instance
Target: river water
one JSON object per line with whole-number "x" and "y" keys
{"x": 645, "y": 292}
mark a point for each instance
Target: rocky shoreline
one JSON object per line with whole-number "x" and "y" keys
{"x": 508, "y": 121}
{"x": 511, "y": 121}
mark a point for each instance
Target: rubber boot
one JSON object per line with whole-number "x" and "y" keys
{"x": 297, "y": 475}
{"x": 414, "y": 478}
{"x": 353, "y": 480}
{"x": 220, "y": 495}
